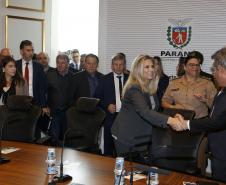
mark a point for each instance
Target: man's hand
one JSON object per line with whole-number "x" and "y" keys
{"x": 45, "y": 110}
{"x": 177, "y": 123}
{"x": 182, "y": 121}
{"x": 112, "y": 108}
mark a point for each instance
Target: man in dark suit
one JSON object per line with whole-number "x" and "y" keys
{"x": 87, "y": 81}
{"x": 109, "y": 92}
{"x": 33, "y": 73}
{"x": 60, "y": 95}
{"x": 75, "y": 65}
{"x": 4, "y": 53}
{"x": 216, "y": 121}
{"x": 43, "y": 58}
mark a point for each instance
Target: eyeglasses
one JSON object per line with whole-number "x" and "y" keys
{"x": 193, "y": 65}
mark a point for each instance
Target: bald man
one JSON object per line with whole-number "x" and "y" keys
{"x": 4, "y": 53}
{"x": 43, "y": 59}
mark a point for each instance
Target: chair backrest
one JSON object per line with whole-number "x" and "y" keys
{"x": 187, "y": 114}
{"x": 176, "y": 150}
{"x": 20, "y": 118}
{"x": 85, "y": 118}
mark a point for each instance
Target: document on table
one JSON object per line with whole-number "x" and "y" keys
{"x": 7, "y": 150}
{"x": 136, "y": 177}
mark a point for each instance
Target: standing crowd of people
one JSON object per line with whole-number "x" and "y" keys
{"x": 132, "y": 100}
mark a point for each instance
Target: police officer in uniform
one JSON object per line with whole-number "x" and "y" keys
{"x": 191, "y": 91}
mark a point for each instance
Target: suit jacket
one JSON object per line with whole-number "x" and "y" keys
{"x": 217, "y": 123}
{"x": 71, "y": 69}
{"x": 72, "y": 65}
{"x": 136, "y": 117}
{"x": 22, "y": 89}
{"x": 106, "y": 90}
{"x": 81, "y": 84}
{"x": 162, "y": 85}
{"x": 106, "y": 93}
{"x": 39, "y": 82}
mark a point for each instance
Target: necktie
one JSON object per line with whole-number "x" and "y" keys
{"x": 26, "y": 73}
{"x": 120, "y": 85}
{"x": 76, "y": 66}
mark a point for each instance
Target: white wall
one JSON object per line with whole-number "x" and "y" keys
{"x": 136, "y": 27}
{"x": 47, "y": 16}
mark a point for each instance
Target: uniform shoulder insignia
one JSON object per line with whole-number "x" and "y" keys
{"x": 205, "y": 77}
{"x": 176, "y": 78}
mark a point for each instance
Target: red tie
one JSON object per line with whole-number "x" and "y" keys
{"x": 26, "y": 73}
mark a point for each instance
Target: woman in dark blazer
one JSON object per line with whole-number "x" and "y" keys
{"x": 139, "y": 102}
{"x": 162, "y": 80}
{"x": 11, "y": 81}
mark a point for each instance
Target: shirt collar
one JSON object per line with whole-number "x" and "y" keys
{"x": 63, "y": 74}
{"x": 24, "y": 61}
{"x": 115, "y": 75}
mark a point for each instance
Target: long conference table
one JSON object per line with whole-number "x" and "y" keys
{"x": 28, "y": 167}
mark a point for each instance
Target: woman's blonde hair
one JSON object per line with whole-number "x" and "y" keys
{"x": 136, "y": 76}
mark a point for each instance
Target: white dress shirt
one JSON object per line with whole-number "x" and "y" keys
{"x": 74, "y": 65}
{"x": 1, "y": 102}
{"x": 30, "y": 68}
{"x": 153, "y": 104}
{"x": 117, "y": 92}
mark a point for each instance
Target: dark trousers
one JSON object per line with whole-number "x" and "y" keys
{"x": 43, "y": 123}
{"x": 218, "y": 169}
{"x": 108, "y": 140}
{"x": 58, "y": 125}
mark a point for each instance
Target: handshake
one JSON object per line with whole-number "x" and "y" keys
{"x": 178, "y": 123}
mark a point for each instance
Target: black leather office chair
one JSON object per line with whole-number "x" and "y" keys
{"x": 85, "y": 120}
{"x": 179, "y": 151}
{"x": 20, "y": 118}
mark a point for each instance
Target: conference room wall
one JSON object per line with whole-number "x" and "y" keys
{"x": 17, "y": 24}
{"x": 136, "y": 27}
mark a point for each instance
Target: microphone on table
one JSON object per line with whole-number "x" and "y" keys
{"x": 63, "y": 177}
{"x": 3, "y": 160}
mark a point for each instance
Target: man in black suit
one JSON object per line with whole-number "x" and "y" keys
{"x": 217, "y": 119}
{"x": 109, "y": 92}
{"x": 87, "y": 81}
